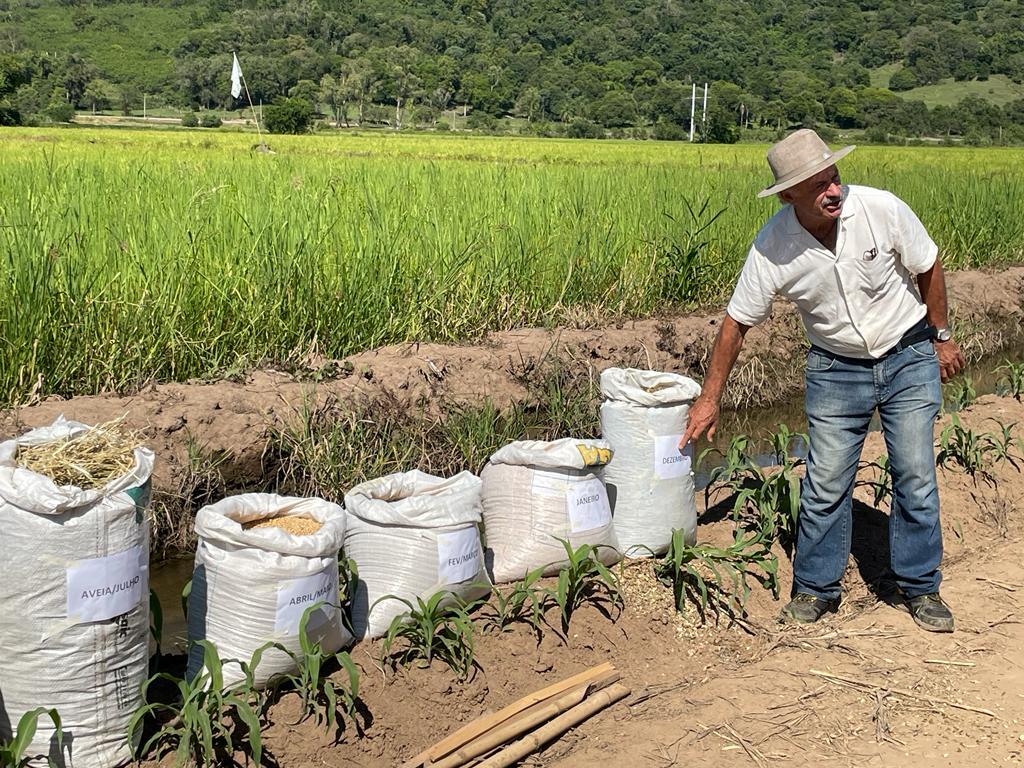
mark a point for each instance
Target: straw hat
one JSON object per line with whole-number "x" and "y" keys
{"x": 798, "y": 157}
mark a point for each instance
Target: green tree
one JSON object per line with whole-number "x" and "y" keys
{"x": 290, "y": 115}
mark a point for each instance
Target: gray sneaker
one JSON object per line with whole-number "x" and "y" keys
{"x": 931, "y": 612}
{"x": 807, "y": 609}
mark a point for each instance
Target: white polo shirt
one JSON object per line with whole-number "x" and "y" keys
{"x": 860, "y": 300}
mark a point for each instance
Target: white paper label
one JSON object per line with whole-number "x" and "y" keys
{"x": 105, "y": 587}
{"x": 296, "y": 595}
{"x": 588, "y": 506}
{"x": 458, "y": 555}
{"x": 547, "y": 482}
{"x": 669, "y": 461}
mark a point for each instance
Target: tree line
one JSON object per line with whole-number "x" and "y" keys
{"x": 560, "y": 66}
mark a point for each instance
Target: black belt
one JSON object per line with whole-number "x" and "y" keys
{"x": 918, "y": 333}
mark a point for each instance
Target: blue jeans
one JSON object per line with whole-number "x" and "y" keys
{"x": 842, "y": 395}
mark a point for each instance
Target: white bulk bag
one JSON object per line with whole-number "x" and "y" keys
{"x": 251, "y": 587}
{"x": 650, "y": 482}
{"x": 537, "y": 492}
{"x": 74, "y": 604}
{"x": 411, "y": 536}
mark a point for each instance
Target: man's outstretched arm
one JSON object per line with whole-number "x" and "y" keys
{"x": 704, "y": 413}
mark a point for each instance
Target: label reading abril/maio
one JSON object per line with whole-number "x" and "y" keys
{"x": 104, "y": 587}
{"x": 296, "y": 595}
{"x": 588, "y": 506}
{"x": 669, "y": 461}
{"x": 458, "y": 555}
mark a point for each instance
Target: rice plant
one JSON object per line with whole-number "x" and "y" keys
{"x": 584, "y": 579}
{"x": 322, "y": 698}
{"x": 717, "y": 579}
{"x": 437, "y": 628}
{"x": 206, "y": 722}
{"x": 151, "y": 258}
{"x": 14, "y": 753}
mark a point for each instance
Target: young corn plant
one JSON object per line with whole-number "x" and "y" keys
{"x": 13, "y": 752}
{"x": 881, "y": 483}
{"x": 206, "y": 721}
{"x": 437, "y": 628}
{"x": 1012, "y": 380}
{"x": 959, "y": 394}
{"x": 322, "y": 698}
{"x": 716, "y": 579}
{"x": 524, "y": 602}
{"x": 583, "y": 579}
{"x": 976, "y": 453}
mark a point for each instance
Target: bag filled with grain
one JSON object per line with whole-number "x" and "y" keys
{"x": 261, "y": 561}
{"x": 649, "y": 480}
{"x": 536, "y": 493}
{"x": 411, "y": 536}
{"x": 74, "y": 624}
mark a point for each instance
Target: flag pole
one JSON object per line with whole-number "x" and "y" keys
{"x": 245, "y": 85}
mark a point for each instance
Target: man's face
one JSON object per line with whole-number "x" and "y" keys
{"x": 817, "y": 199}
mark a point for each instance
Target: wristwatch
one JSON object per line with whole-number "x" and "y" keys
{"x": 943, "y": 334}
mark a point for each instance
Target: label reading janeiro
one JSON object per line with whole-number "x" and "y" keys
{"x": 588, "y": 505}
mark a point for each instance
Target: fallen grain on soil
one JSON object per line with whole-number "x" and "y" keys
{"x": 647, "y": 596}
{"x": 297, "y": 526}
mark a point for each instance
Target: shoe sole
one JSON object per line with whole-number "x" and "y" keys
{"x": 942, "y": 627}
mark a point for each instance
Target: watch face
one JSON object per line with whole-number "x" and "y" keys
{"x": 943, "y": 334}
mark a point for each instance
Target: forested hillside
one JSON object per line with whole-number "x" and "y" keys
{"x": 594, "y": 65}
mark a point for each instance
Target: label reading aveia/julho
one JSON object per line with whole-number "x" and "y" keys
{"x": 104, "y": 587}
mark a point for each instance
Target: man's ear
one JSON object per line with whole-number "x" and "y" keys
{"x": 785, "y": 197}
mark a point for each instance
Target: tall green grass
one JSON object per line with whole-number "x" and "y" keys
{"x": 129, "y": 255}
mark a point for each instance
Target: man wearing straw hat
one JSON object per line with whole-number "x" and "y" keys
{"x": 847, "y": 256}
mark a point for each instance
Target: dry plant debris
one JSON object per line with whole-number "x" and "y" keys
{"x": 297, "y": 526}
{"x": 88, "y": 460}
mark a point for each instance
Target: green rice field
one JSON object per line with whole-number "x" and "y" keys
{"x": 173, "y": 254}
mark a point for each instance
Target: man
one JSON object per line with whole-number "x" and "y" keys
{"x": 846, "y": 257}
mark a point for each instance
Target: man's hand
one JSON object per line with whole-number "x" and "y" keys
{"x": 951, "y": 359}
{"x": 703, "y": 416}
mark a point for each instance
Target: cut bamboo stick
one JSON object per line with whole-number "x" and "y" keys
{"x": 523, "y": 722}
{"x": 482, "y": 724}
{"x": 590, "y": 706}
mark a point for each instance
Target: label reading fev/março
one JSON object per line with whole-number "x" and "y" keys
{"x": 458, "y": 555}
{"x": 588, "y": 506}
{"x": 104, "y": 587}
{"x": 669, "y": 461}
{"x": 296, "y": 595}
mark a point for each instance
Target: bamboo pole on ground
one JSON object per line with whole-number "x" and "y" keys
{"x": 590, "y": 706}
{"x": 481, "y": 725}
{"x": 522, "y": 723}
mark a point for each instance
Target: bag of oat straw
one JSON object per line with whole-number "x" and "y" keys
{"x": 649, "y": 480}
{"x": 411, "y": 536}
{"x": 536, "y": 493}
{"x": 74, "y": 624}
{"x": 261, "y": 561}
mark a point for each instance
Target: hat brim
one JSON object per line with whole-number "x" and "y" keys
{"x": 807, "y": 172}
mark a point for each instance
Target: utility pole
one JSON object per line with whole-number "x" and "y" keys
{"x": 143, "y": 106}
{"x": 693, "y": 107}
{"x": 704, "y": 113}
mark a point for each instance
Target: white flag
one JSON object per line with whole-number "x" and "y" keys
{"x": 236, "y": 76}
